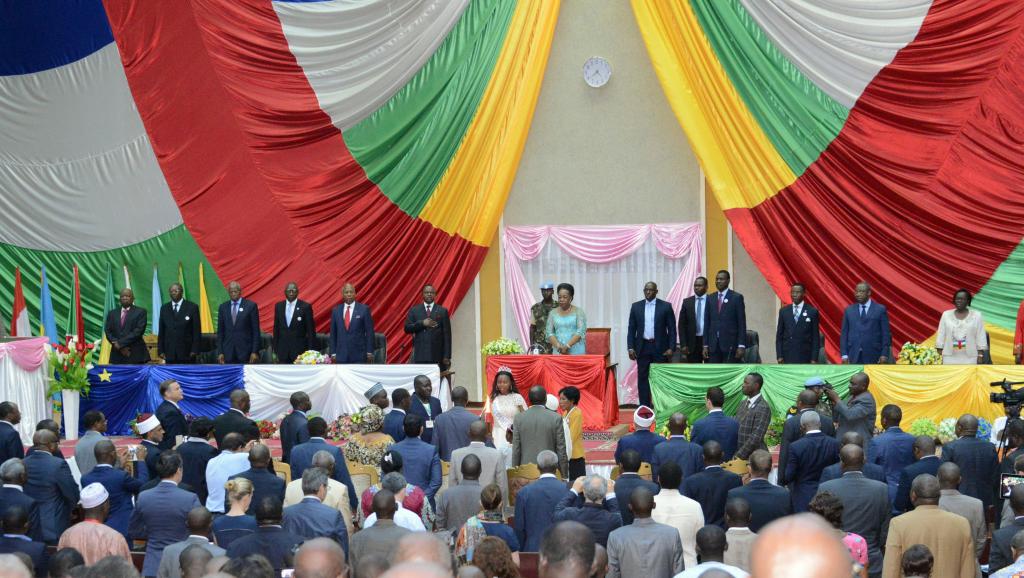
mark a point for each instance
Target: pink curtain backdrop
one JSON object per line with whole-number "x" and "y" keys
{"x": 28, "y": 354}
{"x": 601, "y": 244}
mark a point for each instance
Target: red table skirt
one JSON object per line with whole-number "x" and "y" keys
{"x": 599, "y": 401}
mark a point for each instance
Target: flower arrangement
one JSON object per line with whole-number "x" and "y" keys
{"x": 502, "y": 346}
{"x": 917, "y": 354}
{"x": 923, "y": 427}
{"x": 267, "y": 428}
{"x": 984, "y": 429}
{"x": 341, "y": 429}
{"x": 70, "y": 365}
{"x": 947, "y": 430}
{"x": 313, "y": 357}
{"x": 773, "y": 435}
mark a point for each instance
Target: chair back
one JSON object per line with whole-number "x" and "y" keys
{"x": 380, "y": 348}
{"x": 283, "y": 471}
{"x": 753, "y": 352}
{"x": 529, "y": 564}
{"x": 599, "y": 342}
{"x": 226, "y": 537}
{"x": 518, "y": 478}
{"x": 822, "y": 355}
{"x": 645, "y": 471}
{"x": 363, "y": 476}
{"x": 445, "y": 468}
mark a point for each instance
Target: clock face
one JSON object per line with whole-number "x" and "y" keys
{"x": 597, "y": 71}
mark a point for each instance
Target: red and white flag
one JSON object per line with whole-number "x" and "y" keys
{"x": 19, "y": 313}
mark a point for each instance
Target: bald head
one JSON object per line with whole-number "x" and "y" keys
{"x": 384, "y": 505}
{"x": 105, "y": 452}
{"x": 320, "y": 558}
{"x": 925, "y": 490}
{"x": 808, "y": 398}
{"x": 259, "y": 456}
{"x": 199, "y": 521}
{"x": 852, "y": 458}
{"x": 737, "y": 513}
{"x": 800, "y": 545}
{"x": 240, "y": 400}
{"x": 45, "y": 439}
{"x": 852, "y": 437}
{"x": 967, "y": 426}
{"x": 478, "y": 431}
{"x": 422, "y": 547}
{"x": 924, "y": 446}
{"x": 677, "y": 424}
{"x": 416, "y": 570}
{"x": 949, "y": 476}
{"x": 712, "y": 453}
{"x": 566, "y": 550}
{"x": 641, "y": 503}
{"x": 600, "y": 566}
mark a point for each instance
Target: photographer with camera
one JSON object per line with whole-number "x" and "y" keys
{"x": 858, "y": 412}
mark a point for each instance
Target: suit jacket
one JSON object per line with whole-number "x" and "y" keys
{"x": 725, "y": 330}
{"x": 85, "y": 451}
{"x": 645, "y": 548}
{"x": 689, "y": 457}
{"x": 53, "y": 488}
{"x": 352, "y": 345}
{"x": 451, "y": 430}
{"x": 179, "y": 337}
{"x": 710, "y": 488}
{"x": 121, "y": 487}
{"x": 856, "y": 414}
{"x": 535, "y": 430}
{"x": 238, "y": 339}
{"x": 871, "y": 472}
{"x": 492, "y": 464}
{"x": 152, "y": 455}
{"x": 294, "y": 431}
{"x": 195, "y": 455}
{"x": 233, "y": 421}
{"x": 420, "y": 464}
{"x": 947, "y": 536}
{"x": 893, "y": 449}
{"x": 10, "y": 443}
{"x": 718, "y": 427}
{"x": 170, "y": 567}
{"x": 797, "y": 341}
{"x": 865, "y": 511}
{"x": 768, "y": 502}
{"x": 624, "y": 487}
{"x": 429, "y": 344}
{"x": 791, "y": 432}
{"x": 979, "y": 467}
{"x": 14, "y": 497}
{"x": 643, "y": 441}
{"x": 741, "y": 547}
{"x": 1001, "y": 556}
{"x": 264, "y": 484}
{"x": 864, "y": 340}
{"x": 458, "y": 504}
{"x": 601, "y": 518}
{"x": 290, "y": 341}
{"x": 972, "y": 509}
{"x": 664, "y": 326}
{"x": 378, "y": 540}
{"x": 159, "y": 518}
{"x": 128, "y": 335}
{"x": 688, "y": 322}
{"x": 417, "y": 408}
{"x": 535, "y": 510}
{"x": 754, "y": 422}
{"x": 926, "y": 465}
{"x": 302, "y": 458}
{"x": 276, "y": 544}
{"x": 35, "y": 550}
{"x": 394, "y": 426}
{"x": 807, "y": 457}
{"x": 173, "y": 421}
{"x": 311, "y": 519}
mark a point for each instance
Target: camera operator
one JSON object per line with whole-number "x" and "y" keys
{"x": 858, "y": 412}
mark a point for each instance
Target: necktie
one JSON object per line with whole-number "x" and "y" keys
{"x": 720, "y": 296}
{"x": 796, "y": 313}
{"x": 289, "y": 311}
{"x": 348, "y": 315}
{"x": 863, "y": 311}
{"x": 429, "y": 306}
{"x": 176, "y": 308}
{"x": 700, "y": 313}
{"x": 234, "y": 311}
{"x": 124, "y": 314}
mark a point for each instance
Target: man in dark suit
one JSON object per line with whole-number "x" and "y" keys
{"x": 808, "y": 456}
{"x": 927, "y": 463}
{"x": 264, "y": 482}
{"x": 716, "y": 425}
{"x": 310, "y": 518}
{"x": 431, "y": 331}
{"x": 643, "y": 440}
{"x": 294, "y": 326}
{"x": 295, "y": 426}
{"x": 1000, "y": 555}
{"x": 238, "y": 328}
{"x": 688, "y": 456}
{"x": 421, "y": 464}
{"x": 629, "y": 480}
{"x": 10, "y": 438}
{"x": 691, "y": 322}
{"x": 768, "y": 502}
{"x": 12, "y": 493}
{"x": 160, "y": 513}
{"x": 352, "y": 338}
{"x": 871, "y": 471}
{"x": 979, "y": 465}
{"x": 401, "y": 401}
{"x": 536, "y": 502}
{"x": 650, "y": 337}
{"x": 893, "y": 449}
{"x": 235, "y": 419}
{"x": 865, "y": 337}
{"x": 124, "y": 328}
{"x": 170, "y": 415}
{"x": 451, "y": 428}
{"x": 796, "y": 335}
{"x": 120, "y": 485}
{"x": 725, "y": 323}
{"x": 302, "y": 458}
{"x": 425, "y": 405}
{"x": 791, "y": 431}
{"x": 589, "y": 503}
{"x": 270, "y": 540}
{"x": 857, "y": 413}
{"x": 711, "y": 486}
{"x": 196, "y": 453}
{"x": 179, "y": 325}
{"x": 865, "y": 504}
{"x": 15, "y": 538}
{"x": 51, "y": 485}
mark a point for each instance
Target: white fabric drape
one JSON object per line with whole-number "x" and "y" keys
{"x": 356, "y": 55}
{"x": 28, "y": 390}
{"x": 334, "y": 390}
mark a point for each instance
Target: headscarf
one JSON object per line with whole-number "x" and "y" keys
{"x": 371, "y": 419}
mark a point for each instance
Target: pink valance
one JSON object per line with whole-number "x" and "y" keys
{"x": 28, "y": 354}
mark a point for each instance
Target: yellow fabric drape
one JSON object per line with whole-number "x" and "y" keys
{"x": 742, "y": 166}
{"x": 940, "y": 391}
{"x": 481, "y": 173}
{"x": 205, "y": 316}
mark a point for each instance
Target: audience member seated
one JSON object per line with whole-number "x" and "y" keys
{"x": 591, "y": 501}
{"x": 50, "y": 483}
{"x": 536, "y": 502}
{"x": 831, "y": 509}
{"x": 15, "y": 537}
{"x": 927, "y": 463}
{"x": 644, "y": 548}
{"x": 160, "y": 514}
{"x": 414, "y": 499}
{"x": 716, "y": 426}
{"x": 269, "y": 539}
{"x": 421, "y": 464}
{"x": 494, "y": 558}
{"x": 871, "y": 471}
{"x": 711, "y": 545}
{"x": 320, "y": 557}
{"x": 952, "y": 500}
{"x": 310, "y": 518}
{"x": 674, "y": 509}
{"x": 91, "y": 536}
{"x": 113, "y": 567}
{"x": 711, "y": 486}
{"x": 979, "y": 465}
{"x": 629, "y": 480}
{"x": 120, "y": 485}
{"x": 302, "y": 457}
{"x": 1006, "y": 518}
{"x": 236, "y": 523}
{"x": 379, "y": 540}
{"x": 461, "y": 502}
{"x": 918, "y": 561}
{"x": 1013, "y": 570}
{"x": 264, "y": 482}
{"x": 200, "y": 529}
{"x": 196, "y": 453}
{"x": 688, "y": 456}
{"x": 337, "y": 493}
{"x": 643, "y": 439}
{"x": 395, "y": 483}
{"x": 599, "y": 568}
{"x": 13, "y": 476}
{"x": 232, "y": 460}
{"x": 489, "y": 522}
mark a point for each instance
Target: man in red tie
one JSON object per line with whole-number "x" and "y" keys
{"x": 351, "y": 329}
{"x": 431, "y": 330}
{"x": 124, "y": 328}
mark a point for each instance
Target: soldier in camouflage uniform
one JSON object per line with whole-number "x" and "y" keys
{"x": 539, "y": 313}
{"x": 824, "y": 406}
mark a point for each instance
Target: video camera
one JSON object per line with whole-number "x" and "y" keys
{"x": 1010, "y": 398}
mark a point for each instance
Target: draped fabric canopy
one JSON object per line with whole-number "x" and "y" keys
{"x": 24, "y": 379}
{"x": 854, "y": 140}
{"x": 320, "y": 142}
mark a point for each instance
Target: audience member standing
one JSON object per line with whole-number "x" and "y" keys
{"x": 407, "y": 518}
{"x": 691, "y": 322}
{"x": 160, "y": 513}
{"x": 235, "y": 523}
{"x": 200, "y": 529}
{"x": 953, "y": 501}
{"x": 121, "y": 487}
{"x": 461, "y": 502}
{"x": 152, "y": 434}
{"x": 645, "y": 547}
{"x": 927, "y": 463}
{"x": 380, "y": 539}
{"x": 650, "y": 337}
{"x": 10, "y": 439}
{"x": 538, "y": 429}
{"x": 16, "y": 538}
{"x": 568, "y": 551}
{"x": 797, "y": 338}
{"x": 401, "y": 400}
{"x": 233, "y": 460}
{"x": 91, "y": 536}
{"x": 791, "y": 430}
{"x": 712, "y": 544}
{"x": 196, "y": 454}
{"x": 12, "y": 494}
{"x": 295, "y": 426}
{"x": 629, "y": 480}
{"x": 170, "y": 415}
{"x": 768, "y": 502}
{"x": 804, "y": 545}
{"x": 871, "y": 471}
{"x": 311, "y": 518}
{"x": 893, "y": 449}
{"x": 677, "y": 450}
{"x": 829, "y": 507}
{"x": 591, "y": 501}
{"x": 979, "y": 465}
{"x": 725, "y": 323}
{"x": 236, "y": 419}
{"x": 808, "y": 456}
{"x": 677, "y": 511}
{"x": 738, "y": 535}
{"x": 1015, "y": 569}
{"x": 95, "y": 426}
{"x": 269, "y": 540}
{"x": 337, "y": 493}
{"x": 572, "y": 418}
{"x": 535, "y": 503}
{"x": 711, "y": 486}
{"x": 425, "y": 405}
{"x": 716, "y": 425}
{"x": 294, "y": 326}
{"x": 422, "y": 465}
{"x": 51, "y": 485}
{"x": 856, "y": 413}
{"x": 451, "y": 428}
{"x": 302, "y": 458}
{"x": 1000, "y": 555}
{"x": 754, "y": 417}
{"x": 865, "y": 336}
{"x": 238, "y": 329}
{"x": 264, "y": 483}
{"x": 643, "y": 440}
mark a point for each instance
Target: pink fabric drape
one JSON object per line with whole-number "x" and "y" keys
{"x": 600, "y": 244}
{"x": 28, "y": 354}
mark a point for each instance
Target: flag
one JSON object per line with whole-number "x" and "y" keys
{"x": 181, "y": 281}
{"x": 75, "y": 323}
{"x": 205, "y": 317}
{"x": 155, "y": 311}
{"x": 47, "y": 322}
{"x": 127, "y": 278}
{"x": 109, "y": 302}
{"x": 19, "y": 313}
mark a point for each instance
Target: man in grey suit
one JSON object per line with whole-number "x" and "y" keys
{"x": 645, "y": 547}
{"x": 538, "y": 429}
{"x": 951, "y": 500}
{"x": 492, "y": 465}
{"x": 856, "y": 413}
{"x": 866, "y": 505}
{"x": 200, "y": 522}
{"x": 461, "y": 502}
{"x": 380, "y": 539}
{"x": 95, "y": 426}
{"x": 160, "y": 513}
{"x": 310, "y": 518}
{"x": 451, "y": 428}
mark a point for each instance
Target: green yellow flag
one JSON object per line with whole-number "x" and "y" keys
{"x": 181, "y": 281}
{"x": 108, "y": 303}
{"x": 205, "y": 317}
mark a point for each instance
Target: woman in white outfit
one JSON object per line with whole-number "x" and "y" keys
{"x": 506, "y": 403}
{"x": 961, "y": 339}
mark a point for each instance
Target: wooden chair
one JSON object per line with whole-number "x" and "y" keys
{"x": 529, "y": 564}
{"x": 363, "y": 477}
{"x": 599, "y": 342}
{"x": 522, "y": 476}
{"x": 645, "y": 471}
{"x": 445, "y": 468}
{"x": 283, "y": 471}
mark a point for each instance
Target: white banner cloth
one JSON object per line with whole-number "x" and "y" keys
{"x": 28, "y": 390}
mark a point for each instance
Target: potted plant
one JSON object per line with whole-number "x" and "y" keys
{"x": 69, "y": 374}
{"x": 502, "y": 346}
